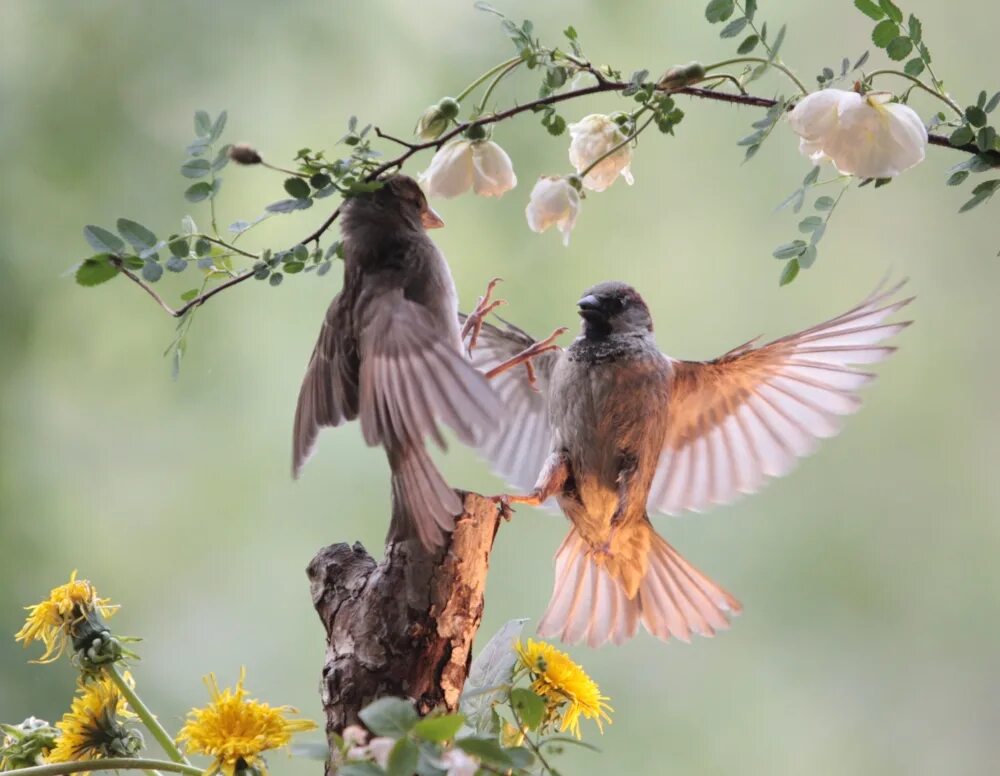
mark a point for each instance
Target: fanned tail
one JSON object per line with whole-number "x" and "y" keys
{"x": 591, "y": 602}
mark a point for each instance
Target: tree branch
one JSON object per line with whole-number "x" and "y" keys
{"x": 603, "y": 85}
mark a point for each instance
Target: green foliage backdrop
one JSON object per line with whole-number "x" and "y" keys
{"x": 869, "y": 576}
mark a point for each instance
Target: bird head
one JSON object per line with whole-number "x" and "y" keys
{"x": 613, "y": 308}
{"x": 399, "y": 200}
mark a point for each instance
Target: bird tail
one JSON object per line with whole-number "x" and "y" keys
{"x": 421, "y": 497}
{"x": 599, "y": 594}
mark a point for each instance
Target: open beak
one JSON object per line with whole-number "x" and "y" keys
{"x": 430, "y": 219}
{"x": 590, "y": 308}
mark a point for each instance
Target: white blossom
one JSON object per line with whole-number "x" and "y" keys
{"x": 458, "y": 763}
{"x": 460, "y": 165}
{"x": 554, "y": 202}
{"x": 379, "y": 749}
{"x": 863, "y": 135}
{"x": 592, "y": 137}
{"x": 354, "y": 735}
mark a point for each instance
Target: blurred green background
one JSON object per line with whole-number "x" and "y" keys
{"x": 869, "y": 643}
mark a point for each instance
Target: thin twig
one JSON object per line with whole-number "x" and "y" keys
{"x": 386, "y": 136}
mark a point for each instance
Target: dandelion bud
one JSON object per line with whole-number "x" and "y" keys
{"x": 680, "y": 76}
{"x": 244, "y": 154}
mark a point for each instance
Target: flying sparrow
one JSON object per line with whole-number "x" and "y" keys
{"x": 614, "y": 429}
{"x": 389, "y": 351}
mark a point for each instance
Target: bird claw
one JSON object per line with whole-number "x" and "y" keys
{"x": 503, "y": 506}
{"x": 526, "y": 355}
{"x": 474, "y": 322}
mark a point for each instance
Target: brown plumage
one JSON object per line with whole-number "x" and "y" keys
{"x": 389, "y": 352}
{"x": 618, "y": 429}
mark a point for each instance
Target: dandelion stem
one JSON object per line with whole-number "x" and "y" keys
{"x": 148, "y": 718}
{"x": 109, "y": 764}
{"x": 531, "y": 744}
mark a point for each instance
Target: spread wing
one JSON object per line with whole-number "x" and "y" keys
{"x": 753, "y": 412}
{"x": 521, "y": 442}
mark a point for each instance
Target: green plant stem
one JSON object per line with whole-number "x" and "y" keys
{"x": 494, "y": 83}
{"x": 759, "y": 61}
{"x": 614, "y": 149}
{"x": 933, "y": 92}
{"x": 720, "y": 78}
{"x": 485, "y": 76}
{"x": 148, "y": 718}
{"x": 223, "y": 244}
{"x": 109, "y": 764}
{"x": 531, "y": 744}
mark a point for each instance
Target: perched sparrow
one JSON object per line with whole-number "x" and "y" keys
{"x": 617, "y": 429}
{"x": 390, "y": 351}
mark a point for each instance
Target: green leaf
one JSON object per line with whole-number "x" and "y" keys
{"x": 276, "y": 278}
{"x": 891, "y": 10}
{"x": 359, "y": 769}
{"x": 861, "y": 60}
{"x": 293, "y": 267}
{"x": 297, "y": 188}
{"x": 789, "y": 273}
{"x": 751, "y": 151}
{"x": 961, "y": 136}
{"x": 95, "y": 270}
{"x": 977, "y": 200}
{"x": 196, "y": 168}
{"x": 981, "y": 101}
{"x": 975, "y": 115}
{"x": 486, "y": 749}
{"x": 986, "y": 139}
{"x": 151, "y": 271}
{"x": 980, "y": 163}
{"x": 530, "y": 707}
{"x": 915, "y": 28}
{"x": 809, "y": 223}
{"x": 734, "y": 28}
{"x": 387, "y": 716}
{"x": 202, "y": 124}
{"x": 811, "y": 177}
{"x": 403, "y": 758}
{"x": 132, "y": 262}
{"x": 914, "y": 67}
{"x": 869, "y": 9}
{"x": 188, "y": 225}
{"x": 300, "y": 252}
{"x": 987, "y": 187}
{"x": 805, "y": 261}
{"x": 179, "y": 248}
{"x": 221, "y": 158}
{"x": 789, "y": 250}
{"x": 520, "y": 756}
{"x": 220, "y": 124}
{"x": 138, "y": 236}
{"x": 103, "y": 241}
{"x": 994, "y": 101}
{"x": 490, "y": 673}
{"x": 198, "y": 191}
{"x": 719, "y": 10}
{"x": 190, "y": 294}
{"x": 439, "y": 729}
{"x": 884, "y": 33}
{"x": 323, "y": 268}
{"x": 957, "y": 177}
{"x": 749, "y": 44}
{"x": 750, "y": 9}
{"x": 899, "y": 48}
{"x": 824, "y": 203}
{"x": 176, "y": 264}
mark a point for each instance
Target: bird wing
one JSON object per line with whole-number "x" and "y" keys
{"x": 753, "y": 412}
{"x": 521, "y": 441}
{"x": 411, "y": 376}
{"x": 329, "y": 392}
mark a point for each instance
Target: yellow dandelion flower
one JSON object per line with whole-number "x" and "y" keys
{"x": 54, "y": 620}
{"x": 94, "y": 726}
{"x": 234, "y": 730}
{"x": 560, "y": 681}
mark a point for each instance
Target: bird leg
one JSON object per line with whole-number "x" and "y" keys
{"x": 525, "y": 356}
{"x": 474, "y": 322}
{"x": 629, "y": 492}
{"x": 552, "y": 479}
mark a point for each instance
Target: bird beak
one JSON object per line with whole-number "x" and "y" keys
{"x": 590, "y": 307}
{"x": 430, "y": 219}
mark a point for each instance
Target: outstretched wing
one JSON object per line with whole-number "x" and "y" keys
{"x": 753, "y": 412}
{"x": 517, "y": 449}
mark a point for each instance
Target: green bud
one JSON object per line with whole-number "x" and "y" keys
{"x": 476, "y": 132}
{"x": 449, "y": 107}
{"x": 679, "y": 76}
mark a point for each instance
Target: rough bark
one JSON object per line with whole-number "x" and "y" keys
{"x": 405, "y": 626}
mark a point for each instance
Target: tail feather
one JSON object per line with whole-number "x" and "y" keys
{"x": 426, "y": 500}
{"x": 590, "y": 602}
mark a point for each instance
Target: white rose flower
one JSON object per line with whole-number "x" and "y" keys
{"x": 863, "y": 135}
{"x": 592, "y": 137}
{"x": 458, "y": 763}
{"x": 354, "y": 735}
{"x": 554, "y": 202}
{"x": 460, "y": 165}
{"x": 379, "y": 749}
